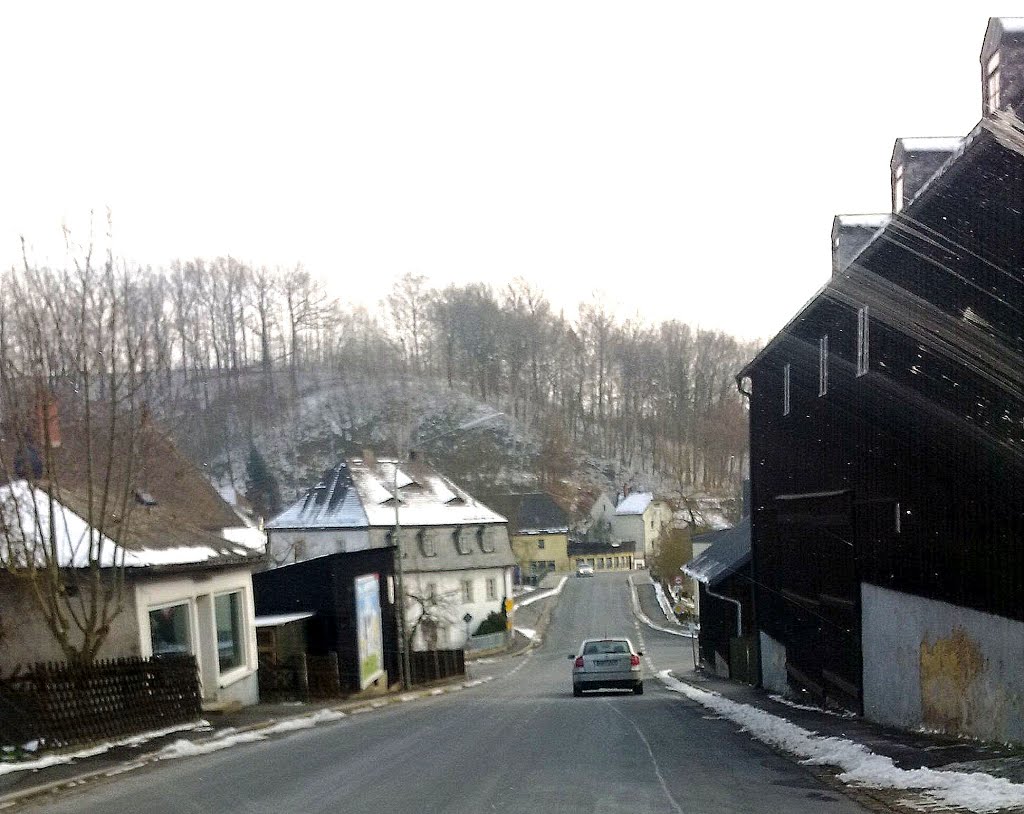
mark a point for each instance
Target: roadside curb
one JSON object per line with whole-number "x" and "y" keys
{"x": 346, "y": 709}
{"x": 643, "y": 617}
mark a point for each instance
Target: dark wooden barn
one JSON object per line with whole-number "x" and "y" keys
{"x": 887, "y": 447}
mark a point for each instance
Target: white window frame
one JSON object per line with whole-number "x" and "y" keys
{"x": 191, "y": 620}
{"x": 243, "y": 655}
{"x": 467, "y": 590}
{"x": 492, "y": 588}
{"x": 785, "y": 388}
{"x": 540, "y": 544}
{"x": 897, "y": 190}
{"x": 823, "y": 365}
{"x": 992, "y": 84}
{"x": 863, "y": 341}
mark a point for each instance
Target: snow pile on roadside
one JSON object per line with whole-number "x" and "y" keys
{"x": 529, "y": 633}
{"x": 975, "y": 791}
{"x": 537, "y": 596}
{"x": 663, "y": 602}
{"x": 229, "y": 737}
{"x": 98, "y": 749}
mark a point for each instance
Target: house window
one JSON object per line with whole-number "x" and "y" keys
{"x": 823, "y": 365}
{"x": 227, "y": 609}
{"x": 459, "y": 543}
{"x": 540, "y": 544}
{"x": 785, "y": 389}
{"x": 431, "y": 590}
{"x": 863, "y": 359}
{"x": 897, "y": 189}
{"x": 492, "y": 588}
{"x": 425, "y": 543}
{"x": 992, "y": 82}
{"x": 169, "y": 630}
{"x": 467, "y": 590}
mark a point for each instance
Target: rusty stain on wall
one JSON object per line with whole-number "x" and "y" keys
{"x": 948, "y": 669}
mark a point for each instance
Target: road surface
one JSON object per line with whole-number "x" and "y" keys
{"x": 518, "y": 744}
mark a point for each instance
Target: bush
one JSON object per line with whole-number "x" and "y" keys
{"x": 494, "y": 623}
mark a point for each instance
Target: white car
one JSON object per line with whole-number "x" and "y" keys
{"x": 606, "y": 663}
{"x": 585, "y": 570}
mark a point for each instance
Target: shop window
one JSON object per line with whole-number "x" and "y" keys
{"x": 227, "y": 610}
{"x": 169, "y": 630}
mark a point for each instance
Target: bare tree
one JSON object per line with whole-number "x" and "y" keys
{"x": 72, "y": 342}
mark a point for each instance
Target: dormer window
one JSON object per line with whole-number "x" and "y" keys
{"x": 992, "y": 94}
{"x": 486, "y": 544}
{"x": 460, "y": 544}
{"x": 897, "y": 189}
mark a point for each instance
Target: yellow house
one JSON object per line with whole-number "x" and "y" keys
{"x": 539, "y": 530}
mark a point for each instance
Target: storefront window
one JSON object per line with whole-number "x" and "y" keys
{"x": 168, "y": 630}
{"x": 228, "y": 611}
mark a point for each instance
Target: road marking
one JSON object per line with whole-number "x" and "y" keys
{"x": 654, "y": 761}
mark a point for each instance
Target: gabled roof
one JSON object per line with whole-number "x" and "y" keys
{"x": 729, "y": 552}
{"x": 530, "y": 513}
{"x": 176, "y": 516}
{"x": 1000, "y": 30}
{"x": 635, "y": 503}
{"x": 360, "y": 494}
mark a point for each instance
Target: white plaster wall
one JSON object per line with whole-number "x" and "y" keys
{"x": 197, "y": 589}
{"x": 25, "y": 638}
{"x": 448, "y": 584}
{"x": 773, "y": 665}
{"x": 940, "y": 666}
{"x": 291, "y": 546}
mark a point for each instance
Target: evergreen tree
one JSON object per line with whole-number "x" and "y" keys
{"x": 261, "y": 486}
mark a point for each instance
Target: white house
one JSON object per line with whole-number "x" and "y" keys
{"x": 641, "y": 518}
{"x": 187, "y": 564}
{"x": 456, "y": 555}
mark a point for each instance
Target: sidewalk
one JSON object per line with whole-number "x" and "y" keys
{"x": 899, "y": 770}
{"x": 216, "y": 732}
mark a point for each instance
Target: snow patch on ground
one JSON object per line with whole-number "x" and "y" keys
{"x": 537, "y": 596}
{"x": 974, "y": 791}
{"x": 664, "y": 604}
{"x": 98, "y": 749}
{"x": 529, "y": 633}
{"x": 781, "y": 699}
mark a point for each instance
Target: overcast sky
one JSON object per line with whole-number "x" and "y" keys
{"x": 685, "y": 161}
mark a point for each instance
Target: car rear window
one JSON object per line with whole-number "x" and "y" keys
{"x": 597, "y": 648}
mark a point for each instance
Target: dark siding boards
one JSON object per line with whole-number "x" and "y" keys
{"x": 933, "y": 435}
{"x": 326, "y": 585}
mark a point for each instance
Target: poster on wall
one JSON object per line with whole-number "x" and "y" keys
{"x": 368, "y": 622}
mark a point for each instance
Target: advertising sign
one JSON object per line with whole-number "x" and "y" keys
{"x": 368, "y": 622}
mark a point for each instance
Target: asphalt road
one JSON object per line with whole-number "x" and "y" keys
{"x": 519, "y": 743}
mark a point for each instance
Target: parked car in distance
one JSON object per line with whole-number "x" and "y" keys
{"x": 584, "y": 570}
{"x": 606, "y": 663}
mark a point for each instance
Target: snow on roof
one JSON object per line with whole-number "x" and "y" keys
{"x": 931, "y": 144}
{"x": 874, "y": 221}
{"x": 282, "y": 618}
{"x": 360, "y": 494}
{"x": 26, "y": 513}
{"x": 729, "y": 551}
{"x": 635, "y": 503}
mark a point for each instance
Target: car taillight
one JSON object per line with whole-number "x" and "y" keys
{"x": 634, "y": 660}
{"x": 578, "y": 662}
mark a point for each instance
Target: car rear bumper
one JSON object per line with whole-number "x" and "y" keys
{"x": 612, "y": 680}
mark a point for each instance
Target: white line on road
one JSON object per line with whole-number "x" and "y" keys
{"x": 654, "y": 761}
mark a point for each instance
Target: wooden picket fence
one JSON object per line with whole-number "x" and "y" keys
{"x": 426, "y": 666}
{"x": 66, "y": 704}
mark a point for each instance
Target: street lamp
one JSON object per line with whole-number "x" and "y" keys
{"x": 403, "y": 641}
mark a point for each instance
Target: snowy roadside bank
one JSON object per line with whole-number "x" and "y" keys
{"x": 537, "y": 596}
{"x": 638, "y": 612}
{"x": 858, "y": 765}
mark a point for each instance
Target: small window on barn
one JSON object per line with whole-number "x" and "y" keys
{"x": 863, "y": 358}
{"x": 785, "y": 389}
{"x": 897, "y": 189}
{"x": 992, "y": 83}
{"x": 823, "y": 365}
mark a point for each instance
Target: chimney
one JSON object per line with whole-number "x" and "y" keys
{"x": 47, "y": 419}
{"x": 369, "y": 458}
{"x": 1002, "y": 64}
{"x": 625, "y": 490}
{"x": 850, "y": 234}
{"x": 914, "y": 162}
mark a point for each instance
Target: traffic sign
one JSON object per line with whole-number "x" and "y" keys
{"x": 467, "y": 618}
